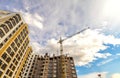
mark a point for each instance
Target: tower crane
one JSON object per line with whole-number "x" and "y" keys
{"x": 62, "y": 57}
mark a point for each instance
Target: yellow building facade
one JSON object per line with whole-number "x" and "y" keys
{"x": 14, "y": 44}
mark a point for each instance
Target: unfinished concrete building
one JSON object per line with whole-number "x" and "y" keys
{"x": 48, "y": 67}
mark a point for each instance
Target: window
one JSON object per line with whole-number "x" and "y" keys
{"x": 16, "y": 40}
{"x": 18, "y": 16}
{"x": 10, "y": 52}
{"x": 4, "y": 66}
{"x": 1, "y": 33}
{"x": 14, "y": 31}
{"x": 25, "y": 74}
{"x": 21, "y": 54}
{"x": 16, "y": 19}
{"x": 4, "y": 77}
{"x": 10, "y": 74}
{"x": 1, "y": 73}
{"x": 4, "y": 56}
{"x": 11, "y": 65}
{"x": 72, "y": 64}
{"x": 20, "y": 38}
{"x": 9, "y": 49}
{"x": 5, "y": 28}
{"x": 0, "y": 62}
{"x": 13, "y": 68}
{"x": 1, "y": 45}
{"x": 74, "y": 75}
{"x": 6, "y": 40}
{"x": 18, "y": 44}
{"x": 8, "y": 59}
{"x": 30, "y": 73}
{"x": 41, "y": 74}
{"x": 54, "y": 75}
{"x": 23, "y": 35}
{"x": 73, "y": 68}
{"x": 9, "y": 24}
{"x": 73, "y": 71}
{"x": 13, "y": 21}
{"x": 16, "y": 62}
{"x": 7, "y": 71}
{"x": 14, "y": 46}
{"x": 10, "y": 35}
{"x": 18, "y": 58}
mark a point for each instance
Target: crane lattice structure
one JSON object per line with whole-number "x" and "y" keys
{"x": 62, "y": 57}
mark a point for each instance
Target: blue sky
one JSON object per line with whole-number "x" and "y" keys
{"x": 96, "y": 50}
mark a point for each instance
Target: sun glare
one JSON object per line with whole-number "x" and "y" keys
{"x": 112, "y": 9}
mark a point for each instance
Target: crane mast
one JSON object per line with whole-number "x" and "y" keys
{"x": 62, "y": 57}
{"x": 61, "y": 46}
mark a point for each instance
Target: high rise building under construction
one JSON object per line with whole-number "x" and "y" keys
{"x": 17, "y": 59}
{"x": 48, "y": 67}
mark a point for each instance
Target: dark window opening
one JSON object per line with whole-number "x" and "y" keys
{"x": 1, "y": 73}
{"x": 13, "y": 21}
{"x": 0, "y": 62}
{"x": 1, "y": 45}
{"x": 8, "y": 59}
{"x": 10, "y": 74}
{"x": 9, "y": 24}
{"x": 18, "y": 16}
{"x": 4, "y": 56}
{"x": 4, "y": 77}
{"x": 4, "y": 66}
{"x": 13, "y": 68}
{"x": 7, "y": 71}
{"x": 1, "y": 33}
{"x": 16, "y": 19}
{"x": 5, "y": 28}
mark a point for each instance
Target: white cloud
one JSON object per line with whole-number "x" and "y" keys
{"x": 61, "y": 19}
{"x": 33, "y": 20}
{"x": 94, "y": 75}
{"x": 103, "y": 55}
{"x": 109, "y": 59}
{"x": 84, "y": 47}
{"x": 35, "y": 46}
{"x": 116, "y": 75}
{"x": 74, "y": 14}
{"x": 104, "y": 62}
{"x": 111, "y": 9}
